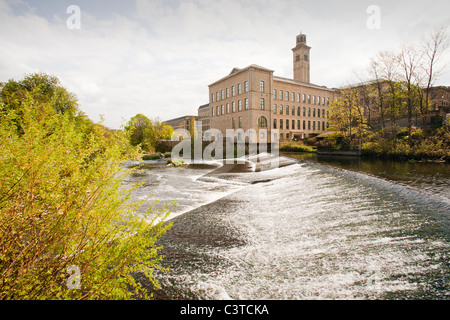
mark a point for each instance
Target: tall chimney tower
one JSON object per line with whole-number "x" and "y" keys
{"x": 301, "y": 59}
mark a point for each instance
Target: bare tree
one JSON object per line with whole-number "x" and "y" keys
{"x": 433, "y": 47}
{"x": 375, "y": 73}
{"x": 409, "y": 62}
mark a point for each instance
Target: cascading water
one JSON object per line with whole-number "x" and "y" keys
{"x": 304, "y": 231}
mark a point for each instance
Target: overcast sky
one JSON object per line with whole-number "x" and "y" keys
{"x": 157, "y": 57}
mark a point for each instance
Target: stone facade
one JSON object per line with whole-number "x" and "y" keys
{"x": 253, "y": 98}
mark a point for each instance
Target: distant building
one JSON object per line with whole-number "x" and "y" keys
{"x": 253, "y": 98}
{"x": 203, "y": 116}
{"x": 185, "y": 122}
{"x": 440, "y": 99}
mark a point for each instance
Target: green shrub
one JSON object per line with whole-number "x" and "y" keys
{"x": 293, "y": 146}
{"x": 62, "y": 204}
{"x": 152, "y": 156}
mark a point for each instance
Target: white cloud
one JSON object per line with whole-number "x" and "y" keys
{"x": 160, "y": 59}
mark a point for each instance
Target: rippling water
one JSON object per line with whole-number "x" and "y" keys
{"x": 304, "y": 231}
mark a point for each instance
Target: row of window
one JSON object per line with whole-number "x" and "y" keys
{"x": 282, "y": 95}
{"x": 307, "y": 125}
{"x": 291, "y": 96}
{"x": 217, "y": 111}
{"x": 262, "y": 122}
{"x": 225, "y": 94}
{"x": 312, "y": 112}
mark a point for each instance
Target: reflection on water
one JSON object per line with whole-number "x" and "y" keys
{"x": 306, "y": 231}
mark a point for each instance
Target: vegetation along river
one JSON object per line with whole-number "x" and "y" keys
{"x": 320, "y": 228}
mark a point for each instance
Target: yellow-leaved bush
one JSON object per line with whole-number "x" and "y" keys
{"x": 62, "y": 204}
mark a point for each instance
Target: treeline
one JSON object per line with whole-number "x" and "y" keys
{"x": 378, "y": 114}
{"x": 147, "y": 133}
{"x": 68, "y": 229}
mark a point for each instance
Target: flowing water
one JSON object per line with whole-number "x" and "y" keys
{"x": 316, "y": 229}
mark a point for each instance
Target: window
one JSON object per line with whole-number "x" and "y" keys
{"x": 314, "y": 99}
{"x": 318, "y": 113}
{"x": 287, "y": 95}
{"x": 287, "y": 110}
{"x": 239, "y": 88}
{"x": 233, "y": 107}
{"x": 281, "y": 94}
{"x": 212, "y": 97}
{"x": 314, "y": 112}
{"x": 304, "y": 124}
{"x": 212, "y": 111}
{"x": 309, "y": 112}
{"x": 233, "y": 91}
{"x": 287, "y": 124}
{"x": 323, "y": 113}
{"x": 261, "y": 86}
{"x": 233, "y": 123}
{"x": 217, "y": 96}
{"x": 217, "y": 111}
{"x": 287, "y": 136}
{"x": 281, "y": 124}
{"x": 240, "y": 122}
{"x": 293, "y": 111}
{"x": 309, "y": 98}
{"x": 261, "y": 103}
{"x": 281, "y": 109}
{"x": 328, "y": 101}
{"x": 262, "y": 122}
{"x": 239, "y": 105}
{"x": 274, "y": 123}
{"x": 304, "y": 111}
{"x": 246, "y": 104}
{"x": 309, "y": 125}
{"x": 323, "y": 126}
{"x": 298, "y": 125}
{"x": 221, "y": 110}
{"x": 314, "y": 125}
{"x": 298, "y": 97}
{"x": 299, "y": 111}
{"x": 323, "y": 101}
{"x": 274, "y": 94}
{"x": 293, "y": 97}
{"x": 304, "y": 98}
{"x": 228, "y": 108}
{"x": 245, "y": 86}
{"x": 293, "y": 124}
{"x": 274, "y": 109}
{"x": 228, "y": 93}
{"x": 318, "y": 125}
{"x": 221, "y": 94}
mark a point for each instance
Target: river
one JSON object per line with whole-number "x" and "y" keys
{"x": 320, "y": 228}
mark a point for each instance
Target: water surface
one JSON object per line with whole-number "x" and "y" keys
{"x": 311, "y": 230}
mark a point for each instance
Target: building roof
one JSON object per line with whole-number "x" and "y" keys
{"x": 180, "y": 118}
{"x": 306, "y": 84}
{"x": 204, "y": 106}
{"x": 236, "y": 71}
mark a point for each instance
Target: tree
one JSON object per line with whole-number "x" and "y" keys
{"x": 347, "y": 117}
{"x": 409, "y": 62}
{"x": 433, "y": 47}
{"x": 63, "y": 204}
{"x": 45, "y": 88}
{"x": 146, "y": 133}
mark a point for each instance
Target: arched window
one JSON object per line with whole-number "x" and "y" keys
{"x": 262, "y": 122}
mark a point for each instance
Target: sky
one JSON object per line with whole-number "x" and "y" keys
{"x": 157, "y": 57}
